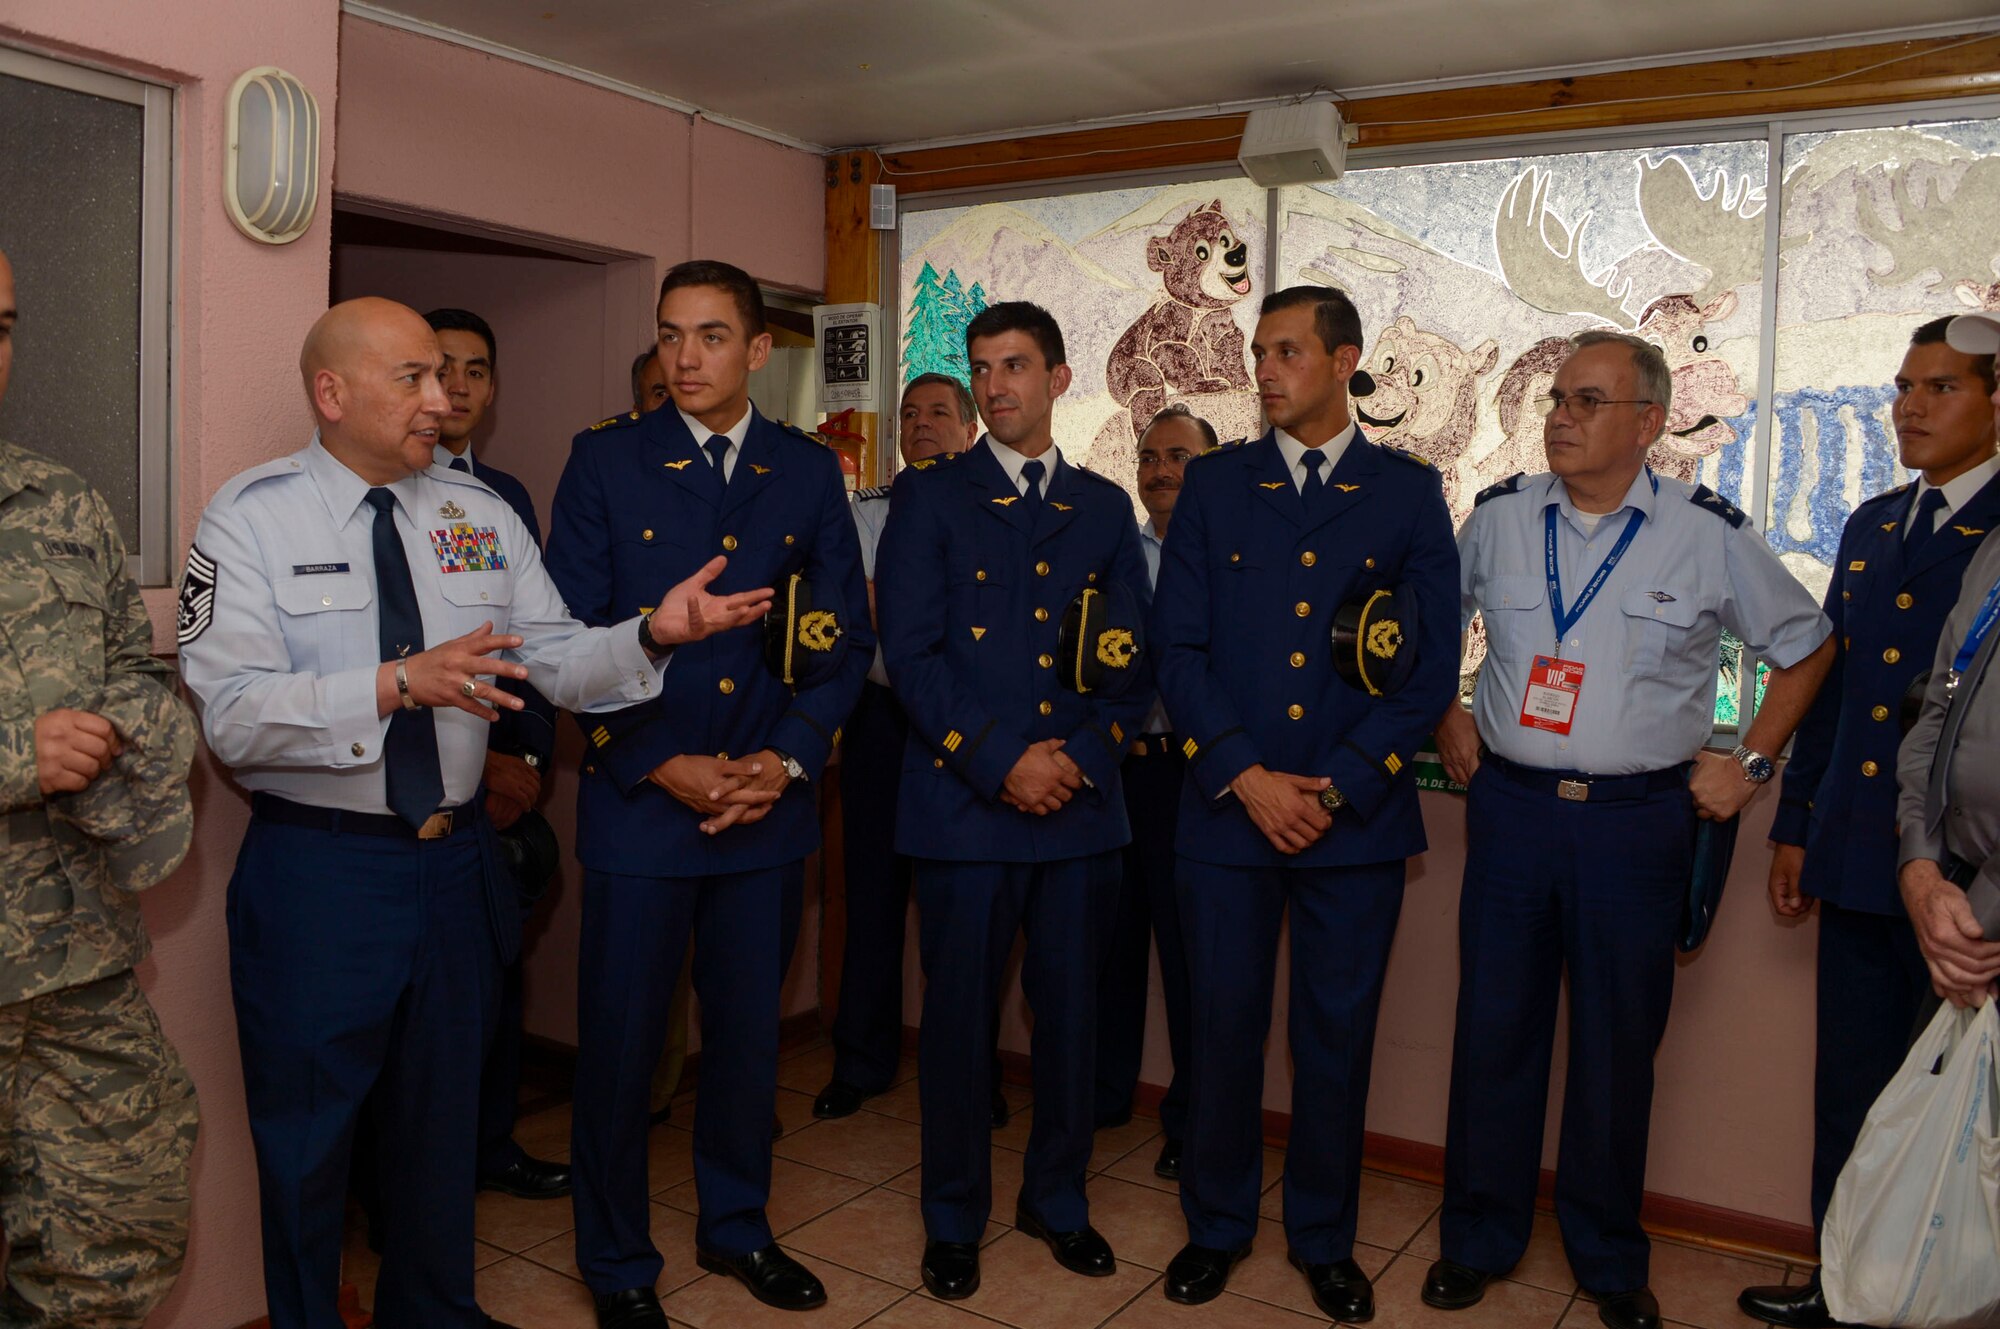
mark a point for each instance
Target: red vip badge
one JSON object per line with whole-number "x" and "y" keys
{"x": 1553, "y": 686}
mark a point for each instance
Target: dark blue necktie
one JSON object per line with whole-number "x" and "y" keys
{"x": 1315, "y": 487}
{"x": 718, "y": 448}
{"x": 1032, "y": 473}
{"x": 461, "y": 464}
{"x": 413, "y": 779}
{"x": 1924, "y": 524}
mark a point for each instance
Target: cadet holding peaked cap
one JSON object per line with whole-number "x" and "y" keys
{"x": 804, "y": 638}
{"x": 1101, "y": 642}
{"x": 1375, "y": 641}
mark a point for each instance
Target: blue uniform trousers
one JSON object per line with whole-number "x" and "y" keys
{"x": 1593, "y": 888}
{"x": 361, "y": 962}
{"x": 1872, "y": 984}
{"x": 634, "y": 938}
{"x": 868, "y": 1030}
{"x": 1147, "y": 912}
{"x": 1342, "y": 921}
{"x": 969, "y": 914}
{"x": 500, "y": 1080}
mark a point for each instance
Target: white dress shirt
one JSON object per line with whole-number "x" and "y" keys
{"x": 736, "y": 433}
{"x": 1957, "y": 493}
{"x": 1294, "y": 453}
{"x": 1013, "y": 462}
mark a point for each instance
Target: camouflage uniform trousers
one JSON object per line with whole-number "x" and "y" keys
{"x": 99, "y": 1123}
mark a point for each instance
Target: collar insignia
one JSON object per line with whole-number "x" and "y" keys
{"x": 1059, "y": 507}
{"x": 451, "y": 511}
{"x": 1347, "y": 489}
{"x": 1270, "y": 484}
{"x": 1970, "y": 530}
{"x": 680, "y": 465}
{"x": 761, "y": 470}
{"x": 1003, "y": 502}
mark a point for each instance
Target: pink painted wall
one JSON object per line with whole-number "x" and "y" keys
{"x": 240, "y": 310}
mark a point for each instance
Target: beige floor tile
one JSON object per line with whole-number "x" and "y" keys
{"x": 1138, "y": 1166}
{"x": 1268, "y": 1276}
{"x": 1014, "y": 1135}
{"x": 1142, "y": 1224}
{"x": 1699, "y": 1287}
{"x": 1006, "y": 1184}
{"x": 1506, "y": 1305}
{"x": 718, "y": 1301}
{"x": 358, "y": 1264}
{"x": 514, "y": 1224}
{"x": 1544, "y": 1264}
{"x": 669, "y": 1155}
{"x": 673, "y": 1236}
{"x": 799, "y": 1194}
{"x": 867, "y": 1145}
{"x": 1139, "y": 1135}
{"x": 1022, "y": 1285}
{"x": 879, "y": 1233}
{"x": 521, "y": 1292}
{"x": 795, "y": 1110}
{"x": 545, "y": 1134}
{"x": 484, "y": 1254}
{"x": 1151, "y": 1310}
{"x": 806, "y": 1072}
{"x": 921, "y": 1312}
{"x": 1393, "y": 1210}
{"x": 899, "y": 1101}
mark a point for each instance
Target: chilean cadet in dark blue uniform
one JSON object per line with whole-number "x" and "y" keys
{"x": 1298, "y": 792}
{"x": 1895, "y": 579}
{"x": 696, "y": 812}
{"x": 1010, "y": 798}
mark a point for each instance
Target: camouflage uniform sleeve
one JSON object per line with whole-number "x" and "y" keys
{"x": 140, "y": 695}
{"x": 20, "y": 784}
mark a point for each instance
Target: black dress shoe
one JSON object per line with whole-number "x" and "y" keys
{"x": 1451, "y": 1286}
{"x": 1802, "y": 1307}
{"x": 1111, "y": 1121}
{"x": 1002, "y": 1114}
{"x": 1637, "y": 1309}
{"x": 1339, "y": 1289}
{"x": 1199, "y": 1273}
{"x": 634, "y": 1308}
{"x": 529, "y": 1178}
{"x": 1083, "y": 1251}
{"x": 951, "y": 1269}
{"x": 772, "y": 1276}
{"x": 838, "y": 1099}
{"x": 1168, "y": 1165}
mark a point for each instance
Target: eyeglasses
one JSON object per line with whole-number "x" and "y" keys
{"x": 1582, "y": 405}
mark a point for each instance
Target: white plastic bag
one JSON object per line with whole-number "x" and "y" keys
{"x": 1912, "y": 1237}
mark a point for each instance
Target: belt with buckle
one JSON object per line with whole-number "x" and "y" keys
{"x": 1578, "y": 787}
{"x": 1154, "y": 745}
{"x": 449, "y": 821}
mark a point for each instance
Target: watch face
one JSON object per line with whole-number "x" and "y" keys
{"x": 1756, "y": 766}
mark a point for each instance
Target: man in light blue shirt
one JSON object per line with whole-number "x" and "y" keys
{"x": 1604, "y": 589}
{"x": 342, "y": 615}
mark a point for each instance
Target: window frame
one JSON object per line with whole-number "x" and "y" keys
{"x": 150, "y": 548}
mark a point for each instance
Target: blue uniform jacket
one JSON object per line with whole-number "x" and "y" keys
{"x": 530, "y": 732}
{"x": 971, "y": 597}
{"x": 1839, "y": 796}
{"x": 1242, "y": 627}
{"x": 639, "y": 509}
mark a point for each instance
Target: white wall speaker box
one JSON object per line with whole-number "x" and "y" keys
{"x": 1303, "y": 144}
{"x": 270, "y": 180}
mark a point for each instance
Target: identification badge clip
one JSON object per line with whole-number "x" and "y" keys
{"x": 1553, "y": 686}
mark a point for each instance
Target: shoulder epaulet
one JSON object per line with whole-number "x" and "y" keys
{"x": 617, "y": 421}
{"x": 270, "y": 470}
{"x": 874, "y": 491}
{"x": 807, "y": 435}
{"x": 1409, "y": 457}
{"x": 1089, "y": 474}
{"x": 1511, "y": 484}
{"x": 926, "y": 463}
{"x": 1220, "y": 448}
{"x": 1704, "y": 497}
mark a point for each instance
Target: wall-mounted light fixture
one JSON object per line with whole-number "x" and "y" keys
{"x": 271, "y": 168}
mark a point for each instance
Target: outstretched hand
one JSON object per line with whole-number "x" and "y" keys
{"x": 689, "y": 612}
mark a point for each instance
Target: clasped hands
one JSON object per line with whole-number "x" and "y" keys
{"x": 1285, "y": 807}
{"x": 1043, "y": 779}
{"x": 727, "y": 793}
{"x": 449, "y": 674}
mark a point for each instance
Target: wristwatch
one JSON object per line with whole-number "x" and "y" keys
{"x": 1757, "y": 768}
{"x": 653, "y": 650}
{"x": 1332, "y": 799}
{"x": 793, "y": 771}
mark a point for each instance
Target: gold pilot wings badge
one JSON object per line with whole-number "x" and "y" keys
{"x": 1003, "y": 502}
{"x": 680, "y": 465}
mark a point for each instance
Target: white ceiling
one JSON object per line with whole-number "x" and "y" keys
{"x": 845, "y": 73}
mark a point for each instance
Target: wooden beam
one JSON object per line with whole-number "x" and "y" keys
{"x": 1770, "y": 85}
{"x": 854, "y": 268}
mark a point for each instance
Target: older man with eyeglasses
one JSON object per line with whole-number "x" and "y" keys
{"x": 1604, "y": 589}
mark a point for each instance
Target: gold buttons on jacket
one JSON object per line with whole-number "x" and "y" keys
{"x": 1092, "y": 578}
{"x": 646, "y": 534}
{"x": 1869, "y": 768}
{"x": 1236, "y": 558}
{"x": 1298, "y": 659}
{"x": 1045, "y": 660}
{"x": 1047, "y": 708}
{"x": 1296, "y": 711}
{"x": 938, "y": 762}
{"x": 1041, "y": 615}
{"x": 727, "y": 685}
{"x": 1367, "y": 562}
{"x": 791, "y": 539}
{"x": 1308, "y": 558}
{"x": 1879, "y": 713}
{"x": 1891, "y": 655}
{"x": 1041, "y": 569}
{"x": 980, "y": 575}
{"x": 1905, "y": 600}
{"x": 1302, "y": 609}
{"x": 729, "y": 543}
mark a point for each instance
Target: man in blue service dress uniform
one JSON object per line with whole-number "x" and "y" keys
{"x": 695, "y": 811}
{"x": 937, "y": 416}
{"x": 1297, "y": 792}
{"x": 522, "y": 744}
{"x": 1604, "y": 589}
{"x": 340, "y": 609}
{"x": 1897, "y": 575}
{"x": 1010, "y": 799}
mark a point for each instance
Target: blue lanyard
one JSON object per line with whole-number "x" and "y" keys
{"x": 1564, "y": 622}
{"x": 1982, "y": 623}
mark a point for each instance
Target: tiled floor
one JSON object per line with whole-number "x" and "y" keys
{"x": 844, "y": 1201}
